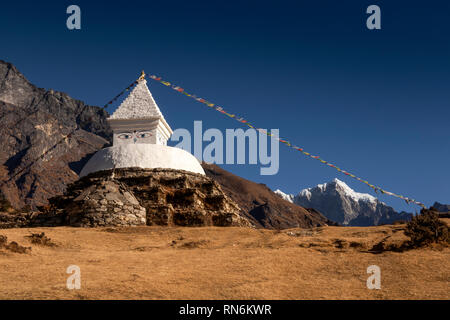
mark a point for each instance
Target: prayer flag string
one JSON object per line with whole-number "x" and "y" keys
{"x": 284, "y": 141}
{"x": 118, "y": 96}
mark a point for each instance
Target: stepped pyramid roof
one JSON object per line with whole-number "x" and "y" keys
{"x": 138, "y": 105}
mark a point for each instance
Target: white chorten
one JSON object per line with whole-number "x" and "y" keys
{"x": 140, "y": 135}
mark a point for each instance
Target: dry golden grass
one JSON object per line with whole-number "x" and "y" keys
{"x": 220, "y": 263}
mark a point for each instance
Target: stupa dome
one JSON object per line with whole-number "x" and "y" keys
{"x": 145, "y": 156}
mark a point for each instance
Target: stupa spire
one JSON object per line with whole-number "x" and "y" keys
{"x": 142, "y": 77}
{"x": 139, "y": 104}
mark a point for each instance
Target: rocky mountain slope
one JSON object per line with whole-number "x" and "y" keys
{"x": 260, "y": 205}
{"x": 32, "y": 121}
{"x": 338, "y": 202}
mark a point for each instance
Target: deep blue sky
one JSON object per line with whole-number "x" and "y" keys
{"x": 375, "y": 103}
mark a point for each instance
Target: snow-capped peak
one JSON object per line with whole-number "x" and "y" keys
{"x": 287, "y": 197}
{"x": 352, "y": 193}
{"x": 338, "y": 184}
{"x": 338, "y": 202}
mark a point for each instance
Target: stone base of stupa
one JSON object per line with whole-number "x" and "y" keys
{"x": 135, "y": 196}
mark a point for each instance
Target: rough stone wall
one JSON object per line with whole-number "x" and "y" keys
{"x": 176, "y": 197}
{"x": 134, "y": 196}
{"x": 105, "y": 203}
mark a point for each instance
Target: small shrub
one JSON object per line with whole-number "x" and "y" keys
{"x": 341, "y": 243}
{"x": 427, "y": 228}
{"x": 194, "y": 244}
{"x": 3, "y": 240}
{"x": 12, "y": 246}
{"x": 42, "y": 239}
{"x": 17, "y": 248}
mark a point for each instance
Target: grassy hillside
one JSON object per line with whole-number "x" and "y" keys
{"x": 220, "y": 263}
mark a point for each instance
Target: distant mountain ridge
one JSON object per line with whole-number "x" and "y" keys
{"x": 340, "y": 203}
{"x": 441, "y": 207}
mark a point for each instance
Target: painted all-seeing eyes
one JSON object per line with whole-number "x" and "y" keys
{"x": 138, "y": 135}
{"x": 125, "y": 136}
{"x": 143, "y": 135}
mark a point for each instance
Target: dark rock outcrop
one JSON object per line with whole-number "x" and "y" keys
{"x": 134, "y": 196}
{"x": 5, "y": 205}
{"x": 33, "y": 165}
{"x": 261, "y": 205}
{"x": 10, "y": 217}
{"x": 441, "y": 207}
{"x": 443, "y": 210}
